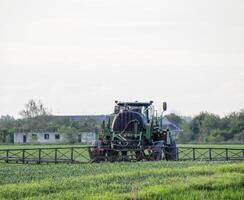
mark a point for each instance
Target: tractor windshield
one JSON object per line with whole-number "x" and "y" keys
{"x": 144, "y": 108}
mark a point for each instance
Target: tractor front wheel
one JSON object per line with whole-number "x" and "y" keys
{"x": 170, "y": 152}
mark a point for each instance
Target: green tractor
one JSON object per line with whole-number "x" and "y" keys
{"x": 136, "y": 133}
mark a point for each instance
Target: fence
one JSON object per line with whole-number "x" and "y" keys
{"x": 209, "y": 154}
{"x": 82, "y": 154}
{"x": 46, "y": 155}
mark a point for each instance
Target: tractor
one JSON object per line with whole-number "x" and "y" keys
{"x": 134, "y": 132}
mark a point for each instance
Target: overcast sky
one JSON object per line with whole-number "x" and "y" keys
{"x": 79, "y": 56}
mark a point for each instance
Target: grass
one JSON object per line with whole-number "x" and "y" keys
{"x": 23, "y": 146}
{"x": 149, "y": 180}
{"x": 29, "y": 146}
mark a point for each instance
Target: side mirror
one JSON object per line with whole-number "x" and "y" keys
{"x": 164, "y": 106}
{"x": 116, "y": 109}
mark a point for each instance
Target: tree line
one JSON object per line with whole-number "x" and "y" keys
{"x": 37, "y": 118}
{"x": 210, "y": 128}
{"x": 202, "y": 128}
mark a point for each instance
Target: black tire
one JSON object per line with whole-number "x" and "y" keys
{"x": 157, "y": 156}
{"x": 171, "y": 152}
{"x": 139, "y": 155}
{"x": 112, "y": 155}
{"x": 96, "y": 156}
{"x": 124, "y": 156}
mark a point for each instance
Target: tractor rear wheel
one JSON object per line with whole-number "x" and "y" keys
{"x": 170, "y": 152}
{"x": 97, "y": 155}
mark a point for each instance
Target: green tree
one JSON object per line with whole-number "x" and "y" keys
{"x": 7, "y": 129}
{"x": 202, "y": 124}
{"x": 186, "y": 135}
{"x": 177, "y": 120}
{"x": 34, "y": 109}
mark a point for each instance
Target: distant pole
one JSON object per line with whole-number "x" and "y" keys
{"x": 55, "y": 155}
{"x": 226, "y": 154}
{"x": 23, "y": 156}
{"x": 7, "y": 154}
{"x": 72, "y": 154}
{"x": 210, "y": 154}
{"x": 39, "y": 156}
{"x": 193, "y": 153}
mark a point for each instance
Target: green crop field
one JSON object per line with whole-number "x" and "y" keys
{"x": 29, "y": 146}
{"x": 149, "y": 180}
{"x": 141, "y": 180}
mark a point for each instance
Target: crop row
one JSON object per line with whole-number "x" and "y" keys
{"x": 159, "y": 180}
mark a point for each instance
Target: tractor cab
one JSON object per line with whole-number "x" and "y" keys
{"x": 144, "y": 108}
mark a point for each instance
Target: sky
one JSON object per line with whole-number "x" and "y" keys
{"x": 79, "y": 56}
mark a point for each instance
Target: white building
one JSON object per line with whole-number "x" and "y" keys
{"x": 51, "y": 138}
{"x": 45, "y": 138}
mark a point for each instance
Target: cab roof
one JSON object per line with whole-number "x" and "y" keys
{"x": 136, "y": 103}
